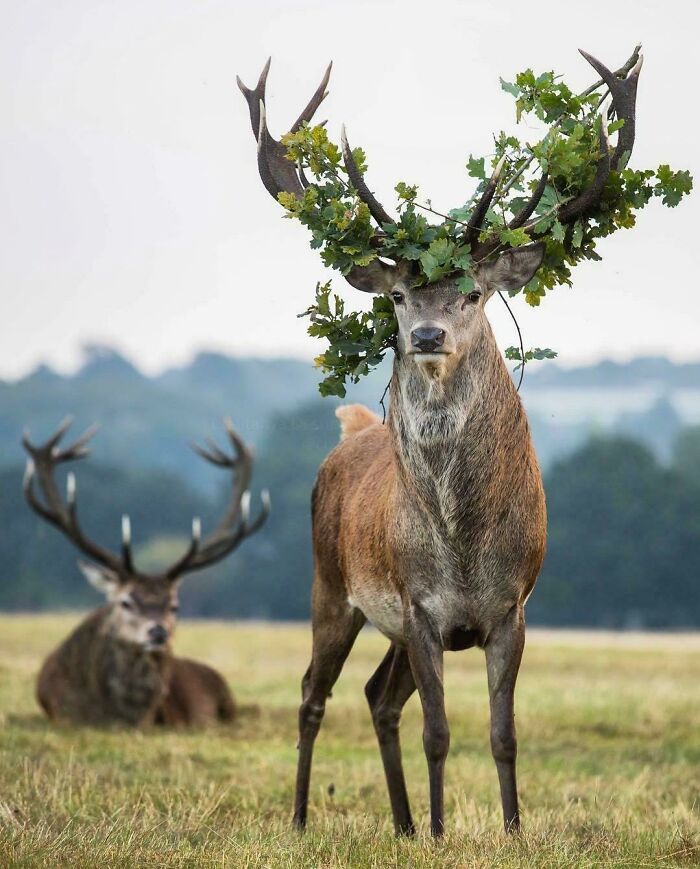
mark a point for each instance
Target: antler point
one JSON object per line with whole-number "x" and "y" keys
{"x": 71, "y": 487}
{"x": 28, "y": 472}
{"x": 126, "y": 530}
{"x": 636, "y": 69}
{"x": 245, "y": 507}
{"x": 499, "y": 168}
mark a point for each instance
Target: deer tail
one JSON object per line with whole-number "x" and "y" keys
{"x": 354, "y": 418}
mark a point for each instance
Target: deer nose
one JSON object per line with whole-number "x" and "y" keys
{"x": 427, "y": 338}
{"x": 157, "y": 635}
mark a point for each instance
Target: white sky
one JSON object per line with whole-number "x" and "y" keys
{"x": 131, "y": 211}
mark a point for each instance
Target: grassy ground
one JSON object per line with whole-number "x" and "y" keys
{"x": 609, "y": 762}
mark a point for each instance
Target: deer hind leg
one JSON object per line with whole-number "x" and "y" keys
{"x": 504, "y": 650}
{"x": 387, "y": 692}
{"x": 334, "y": 633}
{"x": 425, "y": 653}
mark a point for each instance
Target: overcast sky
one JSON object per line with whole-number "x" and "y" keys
{"x": 131, "y": 212}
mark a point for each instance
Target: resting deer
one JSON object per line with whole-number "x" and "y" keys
{"x": 432, "y": 526}
{"x": 117, "y": 666}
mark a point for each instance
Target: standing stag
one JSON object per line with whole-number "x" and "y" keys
{"x": 117, "y": 666}
{"x": 432, "y": 526}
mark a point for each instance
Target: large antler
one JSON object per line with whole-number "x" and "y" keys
{"x": 63, "y": 514}
{"x": 235, "y": 524}
{"x": 622, "y": 86}
{"x": 376, "y": 209}
{"x": 279, "y": 174}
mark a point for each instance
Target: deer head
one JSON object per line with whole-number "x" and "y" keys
{"x": 436, "y": 321}
{"x": 143, "y": 606}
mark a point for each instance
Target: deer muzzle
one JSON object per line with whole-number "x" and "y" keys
{"x": 157, "y": 636}
{"x": 427, "y": 339}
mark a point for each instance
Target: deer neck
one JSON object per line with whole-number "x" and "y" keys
{"x": 132, "y": 679}
{"x": 456, "y": 435}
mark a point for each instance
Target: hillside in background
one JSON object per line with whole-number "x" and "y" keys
{"x": 147, "y": 422}
{"x": 617, "y": 443}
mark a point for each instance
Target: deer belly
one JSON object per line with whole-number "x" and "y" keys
{"x": 381, "y": 606}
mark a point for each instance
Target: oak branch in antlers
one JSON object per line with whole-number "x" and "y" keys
{"x": 567, "y": 190}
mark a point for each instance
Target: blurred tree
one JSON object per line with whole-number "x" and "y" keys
{"x": 686, "y": 454}
{"x": 623, "y": 541}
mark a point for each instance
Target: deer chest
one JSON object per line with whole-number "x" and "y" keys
{"x": 132, "y": 685}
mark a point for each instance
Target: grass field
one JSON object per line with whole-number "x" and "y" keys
{"x": 609, "y": 733}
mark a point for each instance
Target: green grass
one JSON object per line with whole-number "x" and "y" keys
{"x": 609, "y": 732}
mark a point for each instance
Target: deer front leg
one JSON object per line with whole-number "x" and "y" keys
{"x": 425, "y": 654}
{"x": 504, "y": 650}
{"x": 387, "y": 692}
{"x": 335, "y": 629}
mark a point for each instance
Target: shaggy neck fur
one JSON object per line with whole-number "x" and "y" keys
{"x": 123, "y": 681}
{"x": 461, "y": 441}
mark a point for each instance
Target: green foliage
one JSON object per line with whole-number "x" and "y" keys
{"x": 672, "y": 186}
{"x": 538, "y": 353}
{"x": 356, "y": 341}
{"x": 341, "y": 225}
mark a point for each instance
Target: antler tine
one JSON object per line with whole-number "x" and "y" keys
{"x": 52, "y": 442}
{"x": 218, "y": 546}
{"x": 265, "y": 509}
{"x": 278, "y": 174}
{"x": 302, "y": 177}
{"x": 63, "y": 427}
{"x": 78, "y": 450}
{"x": 126, "y": 543}
{"x": 624, "y": 96}
{"x": 319, "y": 96}
{"x": 481, "y": 250}
{"x": 180, "y": 566}
{"x": 255, "y": 96}
{"x": 587, "y": 198}
{"x": 235, "y": 525}
{"x": 376, "y": 209}
{"x": 477, "y": 218}
{"x": 201, "y": 452}
{"x": 528, "y": 209}
{"x": 240, "y": 447}
{"x": 30, "y": 494}
{"x": 213, "y": 455}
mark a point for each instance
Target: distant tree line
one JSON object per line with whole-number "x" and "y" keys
{"x": 624, "y": 533}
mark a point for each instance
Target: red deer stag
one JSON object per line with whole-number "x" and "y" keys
{"x": 432, "y": 526}
{"x": 117, "y": 666}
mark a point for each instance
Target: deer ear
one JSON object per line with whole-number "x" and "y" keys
{"x": 511, "y": 270}
{"x": 377, "y": 277}
{"x": 102, "y": 578}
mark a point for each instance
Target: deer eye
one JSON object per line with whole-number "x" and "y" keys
{"x": 174, "y": 608}
{"x": 474, "y": 297}
{"x": 397, "y": 297}
{"x": 126, "y": 604}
